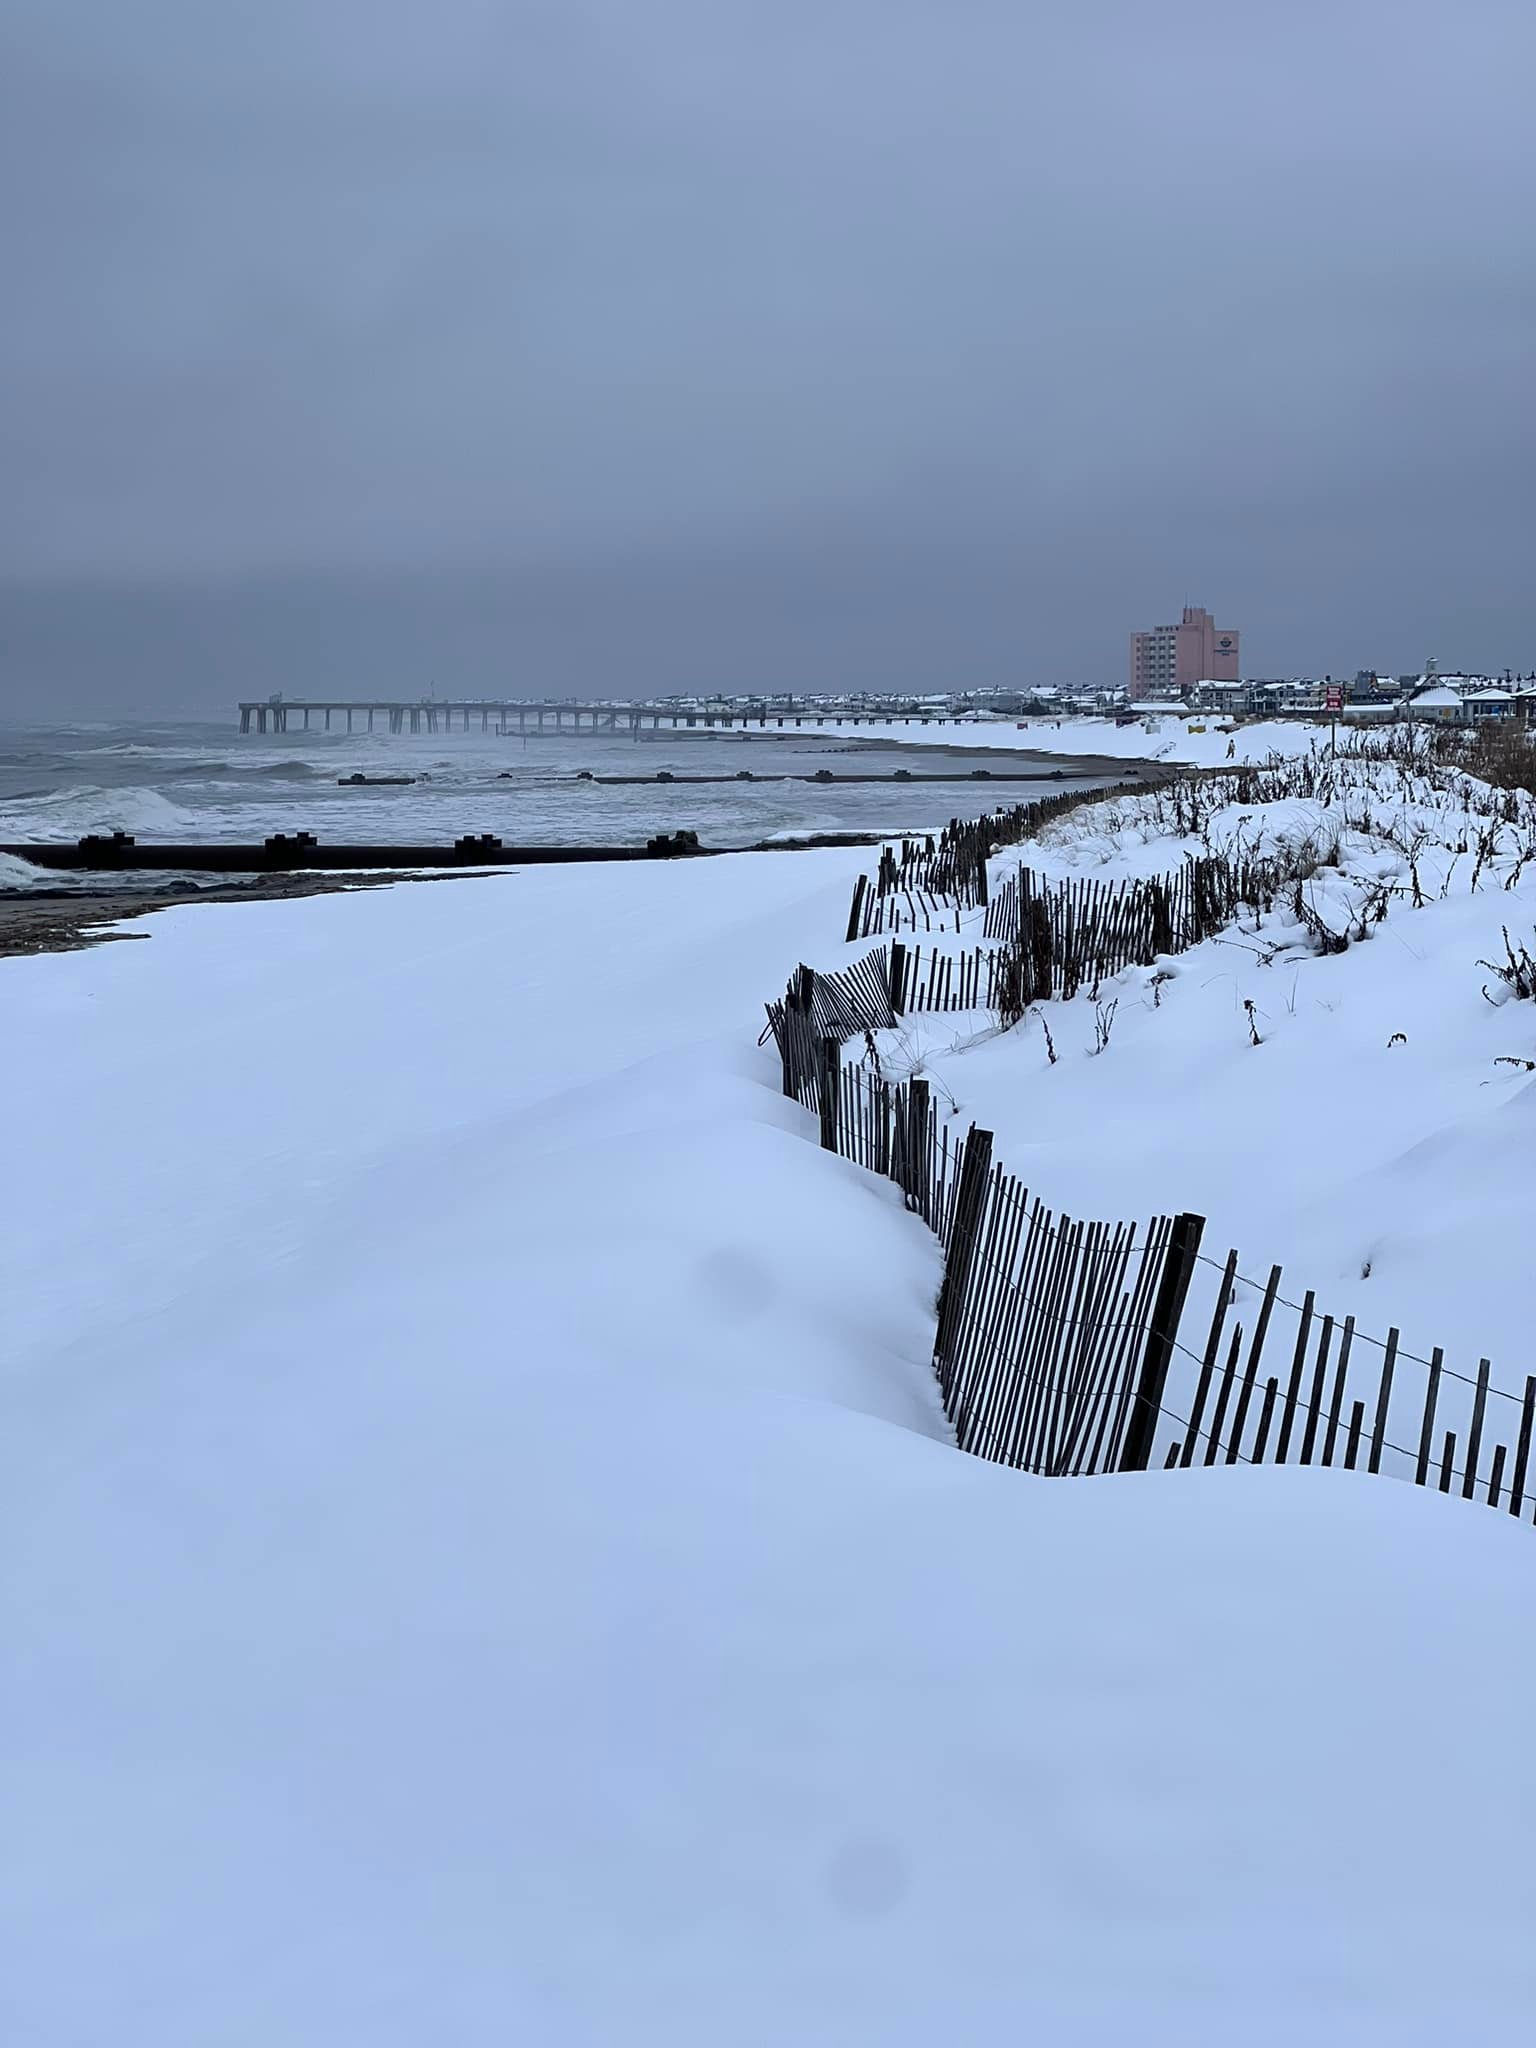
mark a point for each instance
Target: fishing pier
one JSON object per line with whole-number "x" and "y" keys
{"x": 432, "y": 715}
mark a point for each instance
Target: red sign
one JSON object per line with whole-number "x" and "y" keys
{"x": 1334, "y": 699}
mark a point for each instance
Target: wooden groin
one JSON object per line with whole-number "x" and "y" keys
{"x": 120, "y": 852}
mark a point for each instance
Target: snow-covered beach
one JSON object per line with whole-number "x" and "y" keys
{"x": 485, "y": 1555}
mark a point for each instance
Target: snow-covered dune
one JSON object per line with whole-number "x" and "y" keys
{"x": 483, "y": 1560}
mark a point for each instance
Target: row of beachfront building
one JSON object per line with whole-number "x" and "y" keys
{"x": 1443, "y": 699}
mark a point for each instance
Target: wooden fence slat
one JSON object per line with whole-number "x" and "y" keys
{"x": 1063, "y": 1338}
{"x": 965, "y": 1232}
{"x": 1297, "y": 1367}
{"x": 1260, "y": 1333}
{"x": 1315, "y": 1405}
{"x": 1475, "y": 1434}
{"x": 1162, "y": 1335}
{"x": 1107, "y": 1388}
{"x": 1336, "y": 1405}
{"x": 1110, "y": 1434}
{"x": 998, "y": 1343}
{"x": 1427, "y": 1429}
{"x": 1012, "y": 1392}
{"x": 1078, "y": 1348}
{"x": 998, "y": 1389}
{"x": 969, "y": 1355}
{"x": 1049, "y": 1359}
{"x": 1059, "y": 1340}
{"x": 1383, "y": 1402}
{"x": 1244, "y": 1396}
{"x": 831, "y": 1068}
{"x": 1208, "y": 1361}
{"x": 1352, "y": 1442}
{"x": 1522, "y": 1447}
{"x": 1092, "y": 1391}
{"x": 1094, "y": 1373}
{"x": 1496, "y": 1475}
{"x": 1223, "y": 1395}
{"x": 856, "y": 913}
{"x": 1261, "y": 1435}
{"x": 1038, "y": 1351}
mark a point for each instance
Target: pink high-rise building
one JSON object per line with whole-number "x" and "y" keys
{"x": 1170, "y": 660}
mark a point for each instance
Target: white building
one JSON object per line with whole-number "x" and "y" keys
{"x": 1490, "y": 703}
{"x": 1440, "y": 705}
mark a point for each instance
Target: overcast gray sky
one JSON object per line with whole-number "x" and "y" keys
{"x": 637, "y": 344}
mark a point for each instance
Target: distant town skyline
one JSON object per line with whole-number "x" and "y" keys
{"x": 90, "y": 649}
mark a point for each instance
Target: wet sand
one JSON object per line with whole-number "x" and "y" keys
{"x": 64, "y": 920}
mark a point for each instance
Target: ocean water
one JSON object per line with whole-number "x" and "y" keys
{"x": 167, "y": 782}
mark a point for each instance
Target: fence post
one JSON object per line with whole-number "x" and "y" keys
{"x": 1162, "y": 1330}
{"x": 898, "y": 978}
{"x": 1523, "y": 1446}
{"x": 856, "y": 911}
{"x": 1427, "y": 1430}
{"x": 965, "y": 1231}
{"x": 919, "y": 1182}
{"x": 831, "y": 1074}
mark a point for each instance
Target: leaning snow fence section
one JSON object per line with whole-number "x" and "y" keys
{"x": 1065, "y": 1346}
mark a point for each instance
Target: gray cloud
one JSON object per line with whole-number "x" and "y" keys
{"x": 794, "y": 340}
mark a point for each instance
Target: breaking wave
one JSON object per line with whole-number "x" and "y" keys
{"x": 67, "y": 813}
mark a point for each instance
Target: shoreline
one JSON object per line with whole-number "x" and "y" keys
{"x": 57, "y": 920}
{"x": 35, "y": 921}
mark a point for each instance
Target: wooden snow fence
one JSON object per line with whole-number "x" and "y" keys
{"x": 928, "y": 883}
{"x": 1067, "y": 1346}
